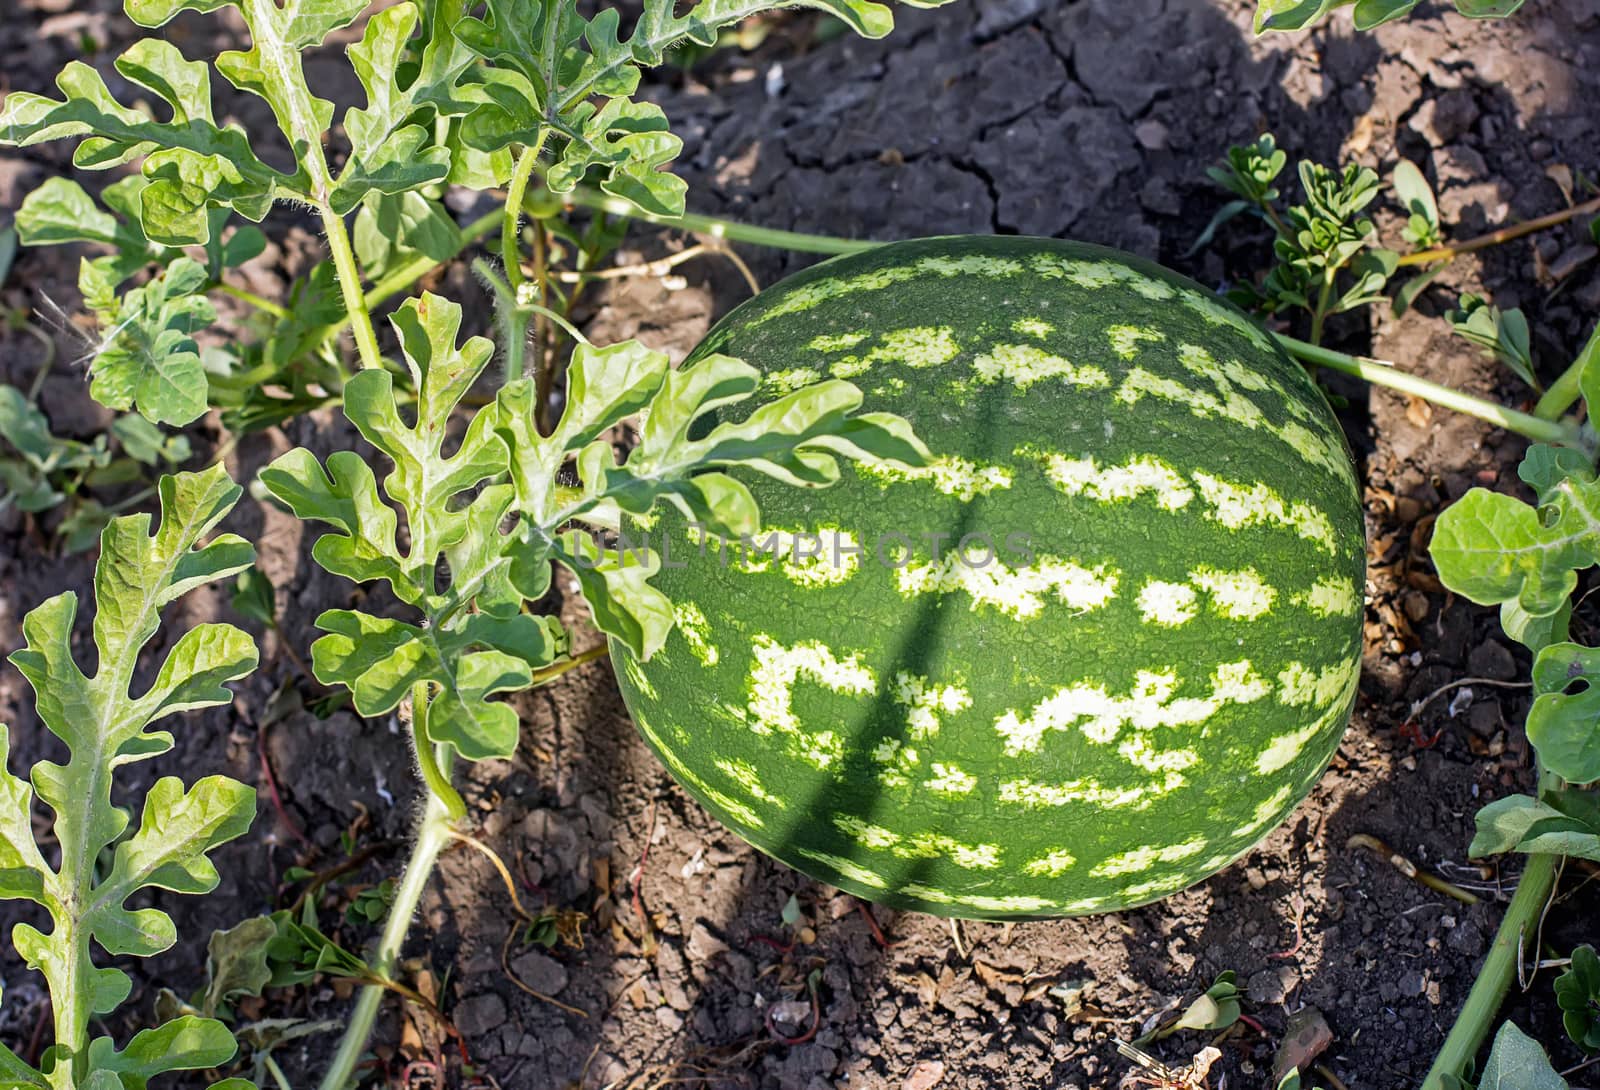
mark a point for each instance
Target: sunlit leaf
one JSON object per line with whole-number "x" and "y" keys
{"x": 148, "y": 359}
{"x": 559, "y": 76}
{"x": 104, "y": 725}
{"x": 1493, "y": 548}
{"x": 1563, "y": 724}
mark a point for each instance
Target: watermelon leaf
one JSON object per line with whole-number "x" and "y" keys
{"x": 1565, "y": 822}
{"x": 551, "y": 73}
{"x": 186, "y": 1043}
{"x": 1292, "y": 14}
{"x": 1494, "y": 548}
{"x": 474, "y": 640}
{"x": 387, "y": 146}
{"x": 190, "y": 163}
{"x": 104, "y": 726}
{"x": 1301, "y": 14}
{"x": 1517, "y": 1062}
{"x": 1497, "y": 550}
{"x": 60, "y": 212}
{"x": 1578, "y": 995}
{"x": 1564, "y": 726}
{"x": 149, "y": 359}
{"x": 1535, "y": 633}
{"x": 615, "y": 584}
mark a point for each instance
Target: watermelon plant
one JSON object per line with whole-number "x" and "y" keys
{"x": 1494, "y": 549}
{"x": 106, "y": 725}
{"x": 523, "y": 92}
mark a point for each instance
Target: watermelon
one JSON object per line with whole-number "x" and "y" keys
{"x": 1089, "y": 655}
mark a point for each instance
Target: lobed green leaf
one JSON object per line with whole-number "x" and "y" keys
{"x": 388, "y": 149}
{"x": 190, "y": 163}
{"x": 560, "y": 75}
{"x": 186, "y": 1043}
{"x": 104, "y": 726}
{"x": 1494, "y": 548}
{"x": 1578, "y": 995}
{"x": 1564, "y": 725}
{"x": 1564, "y": 823}
{"x": 149, "y": 359}
{"x": 1286, "y": 15}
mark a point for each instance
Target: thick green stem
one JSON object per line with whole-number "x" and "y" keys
{"x": 300, "y": 117}
{"x": 1477, "y": 1015}
{"x": 70, "y": 1003}
{"x": 252, "y": 299}
{"x": 1566, "y": 390}
{"x": 721, "y": 228}
{"x": 355, "y": 300}
{"x": 516, "y": 193}
{"x": 543, "y": 351}
{"x": 433, "y": 835}
{"x": 1380, "y": 373}
{"x": 514, "y": 327}
{"x": 433, "y": 775}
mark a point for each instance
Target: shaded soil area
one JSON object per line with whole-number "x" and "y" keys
{"x": 1094, "y": 120}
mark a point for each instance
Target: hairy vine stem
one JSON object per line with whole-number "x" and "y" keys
{"x": 403, "y": 277}
{"x": 516, "y": 194}
{"x": 433, "y": 774}
{"x": 1477, "y": 1015}
{"x": 349, "y": 277}
{"x": 433, "y": 835}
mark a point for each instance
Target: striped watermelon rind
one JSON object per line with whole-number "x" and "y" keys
{"x": 1095, "y": 723}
